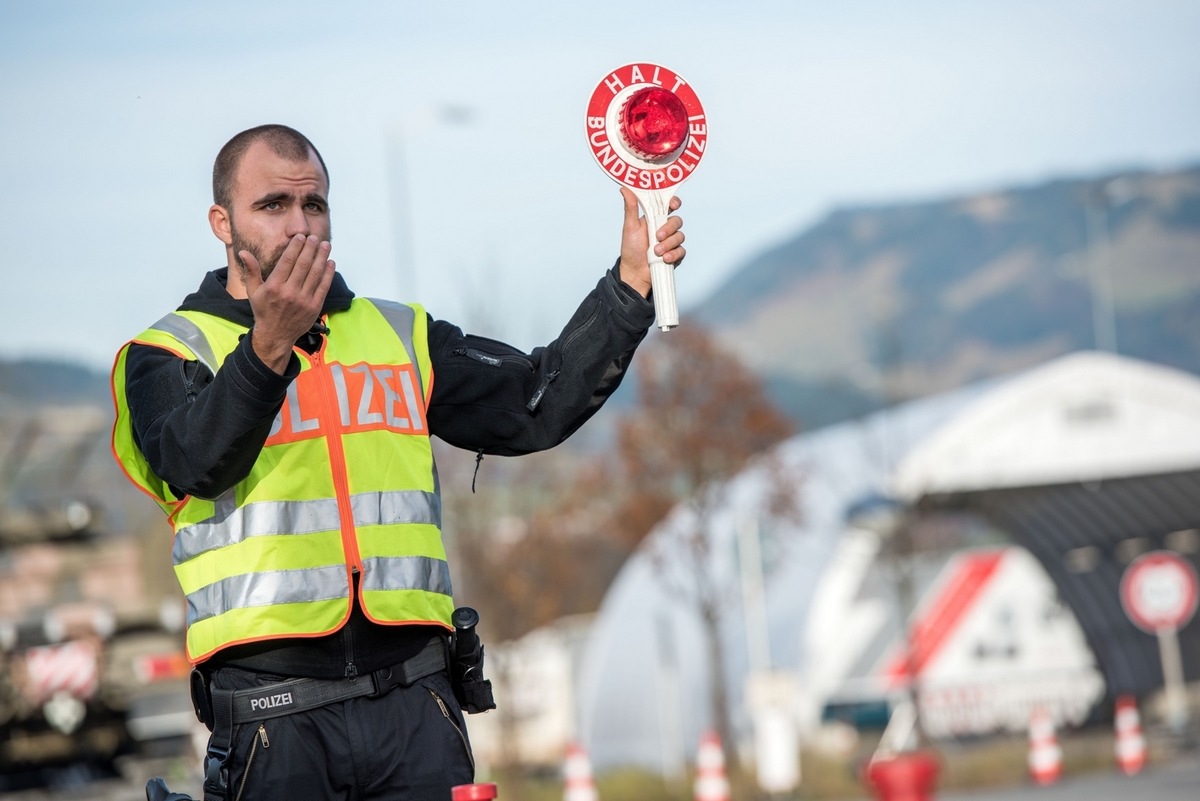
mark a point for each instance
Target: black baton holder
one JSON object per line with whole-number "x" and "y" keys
{"x": 473, "y": 691}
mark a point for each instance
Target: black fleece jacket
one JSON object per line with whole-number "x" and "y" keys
{"x": 202, "y": 433}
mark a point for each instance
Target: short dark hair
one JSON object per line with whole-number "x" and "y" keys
{"x": 286, "y": 143}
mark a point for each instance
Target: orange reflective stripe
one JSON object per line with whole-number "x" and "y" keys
{"x": 348, "y": 460}
{"x": 366, "y": 397}
{"x": 337, "y": 455}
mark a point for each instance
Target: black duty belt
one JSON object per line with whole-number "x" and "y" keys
{"x": 296, "y": 695}
{"x": 232, "y": 707}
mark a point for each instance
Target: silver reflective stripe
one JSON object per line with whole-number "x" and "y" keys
{"x": 189, "y": 334}
{"x": 410, "y": 398}
{"x": 339, "y": 387}
{"x": 230, "y": 525}
{"x": 406, "y": 573}
{"x": 267, "y": 589}
{"x": 401, "y": 318}
{"x": 410, "y": 506}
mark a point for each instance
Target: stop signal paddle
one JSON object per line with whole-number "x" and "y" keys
{"x": 647, "y": 130}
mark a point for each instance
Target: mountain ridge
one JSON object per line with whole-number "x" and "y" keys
{"x": 878, "y": 303}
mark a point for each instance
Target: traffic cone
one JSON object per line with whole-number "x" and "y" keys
{"x": 1131, "y": 745}
{"x": 711, "y": 782}
{"x": 577, "y": 775}
{"x": 1045, "y": 757}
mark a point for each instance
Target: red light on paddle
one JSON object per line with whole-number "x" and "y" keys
{"x": 654, "y": 122}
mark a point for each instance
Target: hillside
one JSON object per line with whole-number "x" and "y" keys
{"x": 39, "y": 382}
{"x": 874, "y": 304}
{"x": 879, "y": 303}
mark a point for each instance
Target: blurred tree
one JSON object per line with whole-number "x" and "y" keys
{"x": 543, "y": 536}
{"x": 522, "y": 542}
{"x": 701, "y": 418}
{"x": 524, "y": 555}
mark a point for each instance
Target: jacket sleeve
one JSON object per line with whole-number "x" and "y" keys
{"x": 201, "y": 433}
{"x": 491, "y": 397}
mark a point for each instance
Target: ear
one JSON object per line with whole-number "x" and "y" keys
{"x": 219, "y": 221}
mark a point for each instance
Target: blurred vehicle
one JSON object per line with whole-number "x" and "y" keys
{"x": 91, "y": 646}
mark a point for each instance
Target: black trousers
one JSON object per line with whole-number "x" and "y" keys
{"x": 410, "y": 744}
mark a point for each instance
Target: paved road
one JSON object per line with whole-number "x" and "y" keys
{"x": 1178, "y": 781}
{"x": 81, "y": 784}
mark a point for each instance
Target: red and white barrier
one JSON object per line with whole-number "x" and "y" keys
{"x": 578, "y": 784}
{"x": 711, "y": 782}
{"x": 71, "y": 668}
{"x": 1045, "y": 756}
{"x": 1130, "y": 747}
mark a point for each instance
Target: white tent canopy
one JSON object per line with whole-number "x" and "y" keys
{"x": 642, "y": 684}
{"x": 1085, "y": 417}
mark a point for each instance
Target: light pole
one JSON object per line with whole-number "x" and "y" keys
{"x": 1099, "y": 202}
{"x": 1099, "y": 249}
{"x": 399, "y": 136}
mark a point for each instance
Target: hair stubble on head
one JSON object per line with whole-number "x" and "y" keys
{"x": 285, "y": 142}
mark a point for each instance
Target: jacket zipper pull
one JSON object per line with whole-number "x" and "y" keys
{"x": 541, "y": 391}
{"x": 262, "y": 735}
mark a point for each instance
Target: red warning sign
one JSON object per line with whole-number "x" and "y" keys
{"x": 1159, "y": 590}
{"x": 646, "y": 127}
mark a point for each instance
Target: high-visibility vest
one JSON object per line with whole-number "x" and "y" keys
{"x": 345, "y": 482}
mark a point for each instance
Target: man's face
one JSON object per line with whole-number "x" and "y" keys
{"x": 274, "y": 199}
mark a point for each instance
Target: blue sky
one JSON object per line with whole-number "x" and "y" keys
{"x": 113, "y": 113}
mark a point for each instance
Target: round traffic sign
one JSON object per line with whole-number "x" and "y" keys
{"x": 1159, "y": 590}
{"x": 646, "y": 127}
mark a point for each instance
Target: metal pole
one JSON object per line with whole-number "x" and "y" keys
{"x": 1104, "y": 316}
{"x": 404, "y": 194}
{"x": 1174, "y": 689}
{"x": 754, "y": 604}
{"x": 670, "y": 705}
{"x": 406, "y": 268}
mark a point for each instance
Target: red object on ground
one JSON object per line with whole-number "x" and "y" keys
{"x": 711, "y": 782}
{"x": 577, "y": 775}
{"x": 909, "y": 776}
{"x": 473, "y": 792}
{"x": 1131, "y": 745}
{"x": 1045, "y": 756}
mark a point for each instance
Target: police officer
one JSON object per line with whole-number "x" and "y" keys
{"x": 283, "y": 424}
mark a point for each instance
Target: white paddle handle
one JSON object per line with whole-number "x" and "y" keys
{"x": 656, "y": 205}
